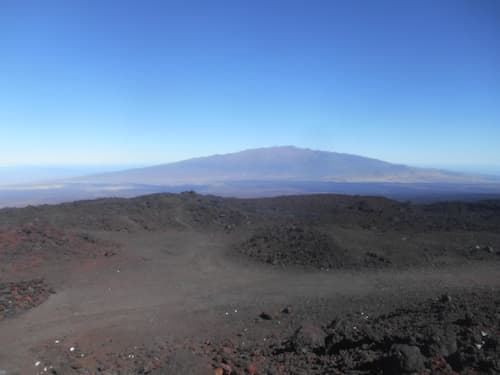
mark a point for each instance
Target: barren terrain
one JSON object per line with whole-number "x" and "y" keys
{"x": 191, "y": 284}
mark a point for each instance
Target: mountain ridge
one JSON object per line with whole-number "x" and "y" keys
{"x": 280, "y": 163}
{"x": 265, "y": 172}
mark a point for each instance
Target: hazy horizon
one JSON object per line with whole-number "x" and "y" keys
{"x": 27, "y": 174}
{"x": 39, "y": 174}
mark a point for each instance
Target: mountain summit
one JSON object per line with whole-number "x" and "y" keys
{"x": 284, "y": 163}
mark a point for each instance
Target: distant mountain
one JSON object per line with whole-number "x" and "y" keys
{"x": 285, "y": 164}
{"x": 265, "y": 172}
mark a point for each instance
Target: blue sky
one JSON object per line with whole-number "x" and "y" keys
{"x": 146, "y": 82}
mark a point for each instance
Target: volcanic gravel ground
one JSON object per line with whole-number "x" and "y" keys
{"x": 454, "y": 334}
{"x": 295, "y": 245}
{"x": 325, "y": 284}
{"x": 16, "y": 297}
{"x": 327, "y": 248}
{"x": 31, "y": 246}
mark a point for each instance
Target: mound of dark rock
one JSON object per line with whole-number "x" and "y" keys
{"x": 45, "y": 240}
{"x": 208, "y": 212}
{"x": 16, "y": 297}
{"x": 294, "y": 245}
{"x": 450, "y": 335}
{"x": 32, "y": 246}
{"x": 453, "y": 334}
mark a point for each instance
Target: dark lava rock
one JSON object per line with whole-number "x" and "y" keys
{"x": 287, "y": 310}
{"x": 458, "y": 334}
{"x": 467, "y": 321}
{"x": 308, "y": 338}
{"x": 265, "y": 316}
{"x": 405, "y": 359}
{"x": 29, "y": 246}
{"x": 294, "y": 245}
{"x": 16, "y": 297}
{"x": 444, "y": 344}
{"x": 445, "y": 298}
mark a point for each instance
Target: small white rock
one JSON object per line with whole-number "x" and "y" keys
{"x": 72, "y": 349}
{"x": 37, "y": 363}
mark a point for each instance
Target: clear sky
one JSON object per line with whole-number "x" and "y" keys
{"x": 145, "y": 82}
